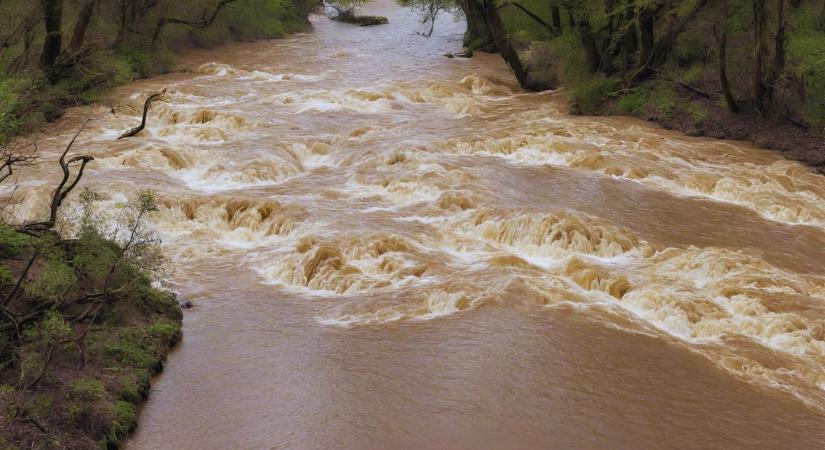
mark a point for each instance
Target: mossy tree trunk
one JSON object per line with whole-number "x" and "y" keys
{"x": 477, "y": 36}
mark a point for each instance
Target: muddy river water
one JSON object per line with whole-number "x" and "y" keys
{"x": 388, "y": 248}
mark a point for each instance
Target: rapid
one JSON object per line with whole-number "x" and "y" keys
{"x": 388, "y": 248}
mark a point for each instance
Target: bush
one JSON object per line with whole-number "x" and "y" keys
{"x": 663, "y": 99}
{"x": 11, "y": 91}
{"x": 699, "y": 113}
{"x": 633, "y": 103}
{"x": 87, "y": 389}
{"x": 125, "y": 420}
{"x": 12, "y": 243}
{"x": 589, "y": 95}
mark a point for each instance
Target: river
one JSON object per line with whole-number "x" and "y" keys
{"x": 387, "y": 248}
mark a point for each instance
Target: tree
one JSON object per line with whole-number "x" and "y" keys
{"x": 53, "y": 41}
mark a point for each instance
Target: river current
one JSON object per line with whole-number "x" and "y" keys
{"x": 387, "y": 248}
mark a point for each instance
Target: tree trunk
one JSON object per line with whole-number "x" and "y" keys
{"x": 82, "y": 25}
{"x": 53, "y": 42}
{"x": 477, "y": 36}
{"x": 591, "y": 48}
{"x": 646, "y": 35}
{"x": 662, "y": 47}
{"x": 723, "y": 66}
{"x": 556, "y": 13}
{"x": 502, "y": 41}
{"x": 760, "y": 53}
{"x": 779, "y": 57}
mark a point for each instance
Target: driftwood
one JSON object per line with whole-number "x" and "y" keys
{"x": 63, "y": 189}
{"x": 152, "y": 98}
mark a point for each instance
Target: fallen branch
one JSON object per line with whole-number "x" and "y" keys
{"x": 152, "y": 98}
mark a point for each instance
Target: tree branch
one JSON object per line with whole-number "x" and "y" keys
{"x": 134, "y": 131}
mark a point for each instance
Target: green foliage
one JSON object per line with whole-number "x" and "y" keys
{"x": 590, "y": 94}
{"x": 125, "y": 420}
{"x": 806, "y": 48}
{"x": 51, "y": 329}
{"x": 699, "y": 113}
{"x": 94, "y": 256}
{"x": 56, "y": 278}
{"x": 633, "y": 103}
{"x": 87, "y": 389}
{"x": 137, "y": 346}
{"x": 40, "y": 405}
{"x": 11, "y": 93}
{"x": 663, "y": 98}
{"x": 690, "y": 51}
{"x": 12, "y": 243}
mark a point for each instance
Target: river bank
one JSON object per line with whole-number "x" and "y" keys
{"x": 112, "y": 47}
{"x": 697, "y": 115}
{"x": 80, "y": 369}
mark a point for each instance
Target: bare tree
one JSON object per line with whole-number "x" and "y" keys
{"x": 64, "y": 188}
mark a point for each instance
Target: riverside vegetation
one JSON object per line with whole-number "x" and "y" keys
{"x": 740, "y": 69}
{"x": 60, "y": 53}
{"x": 83, "y": 327}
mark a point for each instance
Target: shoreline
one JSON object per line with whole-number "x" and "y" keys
{"x": 783, "y": 137}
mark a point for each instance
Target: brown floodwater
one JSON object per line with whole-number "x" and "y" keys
{"x": 388, "y": 248}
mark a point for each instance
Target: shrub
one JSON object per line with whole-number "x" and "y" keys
{"x": 87, "y": 389}
{"x": 699, "y": 113}
{"x": 663, "y": 99}
{"x": 55, "y": 279}
{"x": 10, "y": 92}
{"x": 589, "y": 95}
{"x": 125, "y": 420}
{"x": 633, "y": 103}
{"x": 12, "y": 243}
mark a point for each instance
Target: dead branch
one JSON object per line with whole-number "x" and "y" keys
{"x": 11, "y": 158}
{"x": 152, "y": 98}
{"x": 62, "y": 190}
